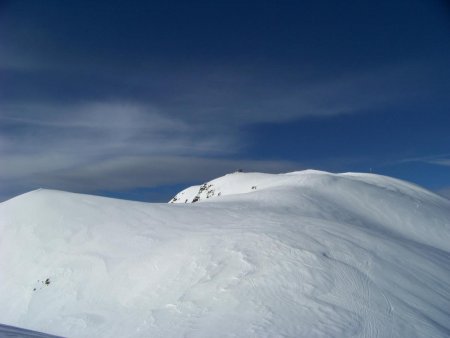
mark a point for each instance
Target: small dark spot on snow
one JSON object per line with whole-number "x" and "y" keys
{"x": 47, "y": 281}
{"x": 34, "y": 289}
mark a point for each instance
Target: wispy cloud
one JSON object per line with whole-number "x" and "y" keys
{"x": 48, "y": 142}
{"x": 109, "y": 146}
{"x": 438, "y": 159}
{"x": 234, "y": 96}
{"x": 41, "y": 145}
{"x": 116, "y": 108}
{"x": 444, "y": 162}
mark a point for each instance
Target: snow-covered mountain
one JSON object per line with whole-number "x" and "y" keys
{"x": 303, "y": 254}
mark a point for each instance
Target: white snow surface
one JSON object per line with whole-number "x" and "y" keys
{"x": 303, "y": 254}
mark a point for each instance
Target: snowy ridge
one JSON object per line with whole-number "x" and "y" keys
{"x": 234, "y": 183}
{"x": 304, "y": 254}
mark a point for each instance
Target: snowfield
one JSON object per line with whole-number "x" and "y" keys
{"x": 303, "y": 254}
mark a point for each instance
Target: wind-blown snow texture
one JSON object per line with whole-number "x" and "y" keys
{"x": 304, "y": 254}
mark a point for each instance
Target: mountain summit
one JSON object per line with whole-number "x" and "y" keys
{"x": 302, "y": 254}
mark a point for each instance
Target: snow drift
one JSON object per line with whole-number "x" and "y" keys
{"x": 303, "y": 254}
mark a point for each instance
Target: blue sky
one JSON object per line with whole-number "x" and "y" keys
{"x": 138, "y": 99}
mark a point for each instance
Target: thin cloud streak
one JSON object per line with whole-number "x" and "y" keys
{"x": 443, "y": 162}
{"x": 439, "y": 159}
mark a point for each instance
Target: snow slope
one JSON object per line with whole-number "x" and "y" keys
{"x": 303, "y": 254}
